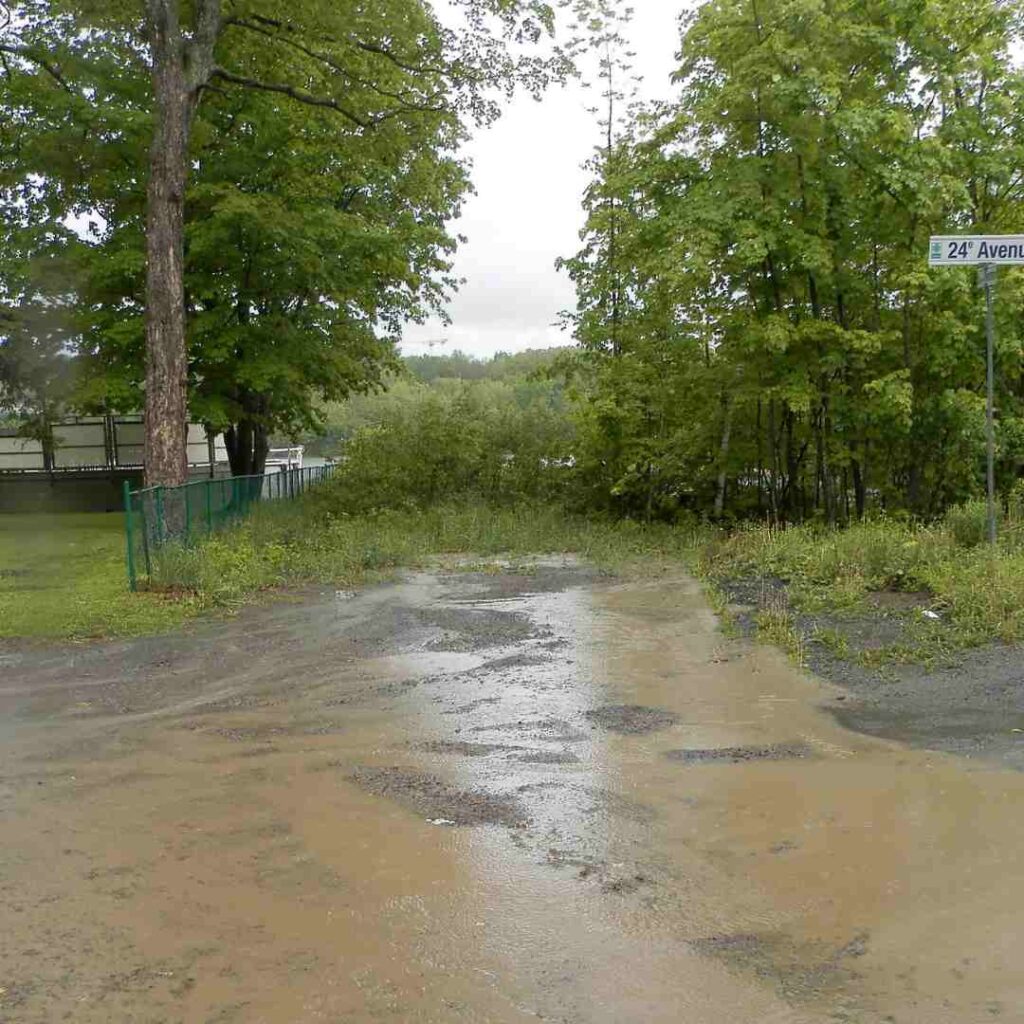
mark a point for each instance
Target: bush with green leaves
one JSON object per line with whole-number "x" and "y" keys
{"x": 489, "y": 441}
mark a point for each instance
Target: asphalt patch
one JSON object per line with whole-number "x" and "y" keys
{"x": 631, "y": 719}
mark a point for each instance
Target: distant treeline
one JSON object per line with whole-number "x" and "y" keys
{"x": 458, "y": 365}
{"x": 452, "y": 407}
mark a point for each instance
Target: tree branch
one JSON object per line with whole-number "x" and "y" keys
{"x": 208, "y": 24}
{"x": 40, "y": 61}
{"x": 291, "y": 92}
{"x": 405, "y": 65}
{"x": 328, "y": 61}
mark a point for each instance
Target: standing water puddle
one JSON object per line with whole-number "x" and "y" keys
{"x": 477, "y": 798}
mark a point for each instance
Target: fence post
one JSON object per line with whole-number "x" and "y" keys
{"x": 160, "y": 514}
{"x": 128, "y": 534}
{"x": 145, "y": 537}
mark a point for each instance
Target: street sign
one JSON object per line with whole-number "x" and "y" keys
{"x": 988, "y": 251}
{"x": 968, "y": 250}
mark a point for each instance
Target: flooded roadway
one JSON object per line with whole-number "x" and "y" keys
{"x": 487, "y": 797}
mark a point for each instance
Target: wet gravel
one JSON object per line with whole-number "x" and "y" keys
{"x": 631, "y": 719}
{"x": 973, "y": 706}
{"x": 438, "y": 801}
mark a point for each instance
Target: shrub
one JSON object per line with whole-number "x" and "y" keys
{"x": 498, "y": 444}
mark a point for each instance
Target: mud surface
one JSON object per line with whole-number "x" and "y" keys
{"x": 973, "y": 707}
{"x": 489, "y": 797}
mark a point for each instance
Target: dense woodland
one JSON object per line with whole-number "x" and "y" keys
{"x": 757, "y": 330}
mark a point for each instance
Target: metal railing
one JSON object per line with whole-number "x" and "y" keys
{"x": 156, "y": 517}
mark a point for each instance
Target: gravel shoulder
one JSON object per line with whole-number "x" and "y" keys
{"x": 972, "y": 706}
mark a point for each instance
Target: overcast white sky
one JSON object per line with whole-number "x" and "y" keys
{"x": 527, "y": 213}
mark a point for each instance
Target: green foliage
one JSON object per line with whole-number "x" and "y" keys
{"x": 308, "y": 241}
{"x": 488, "y": 440}
{"x": 523, "y": 379}
{"x": 758, "y": 327}
{"x": 324, "y": 168}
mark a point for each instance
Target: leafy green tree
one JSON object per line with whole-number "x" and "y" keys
{"x": 370, "y": 66}
{"x": 772, "y": 230}
{"x": 455, "y": 441}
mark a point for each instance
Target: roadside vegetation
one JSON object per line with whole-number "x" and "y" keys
{"x": 938, "y": 586}
{"x": 473, "y": 470}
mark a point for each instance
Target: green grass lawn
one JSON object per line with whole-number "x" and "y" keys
{"x": 63, "y": 575}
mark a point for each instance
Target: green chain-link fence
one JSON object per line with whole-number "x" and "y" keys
{"x": 156, "y": 517}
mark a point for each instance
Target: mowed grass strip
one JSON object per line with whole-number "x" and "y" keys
{"x": 63, "y": 575}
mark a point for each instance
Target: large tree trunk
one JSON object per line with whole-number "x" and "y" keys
{"x": 166, "y": 416}
{"x": 723, "y": 455}
{"x": 180, "y": 69}
{"x": 247, "y": 441}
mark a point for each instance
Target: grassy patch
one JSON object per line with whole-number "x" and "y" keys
{"x": 306, "y": 543}
{"x": 970, "y": 595}
{"x": 63, "y": 575}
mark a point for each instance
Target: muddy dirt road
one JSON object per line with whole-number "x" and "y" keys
{"x": 487, "y": 798}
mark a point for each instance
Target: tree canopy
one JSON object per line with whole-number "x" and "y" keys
{"x": 765, "y": 333}
{"x": 248, "y": 197}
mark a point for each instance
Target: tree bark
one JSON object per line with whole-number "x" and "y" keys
{"x": 166, "y": 412}
{"x": 859, "y": 490}
{"x": 180, "y": 69}
{"x": 723, "y": 455}
{"x": 247, "y": 441}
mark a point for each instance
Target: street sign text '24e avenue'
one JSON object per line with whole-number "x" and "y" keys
{"x": 967, "y": 250}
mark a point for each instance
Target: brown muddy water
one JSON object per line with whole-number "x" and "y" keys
{"x": 486, "y": 797}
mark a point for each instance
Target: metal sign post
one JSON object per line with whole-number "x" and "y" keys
{"x": 987, "y": 277}
{"x": 986, "y": 252}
